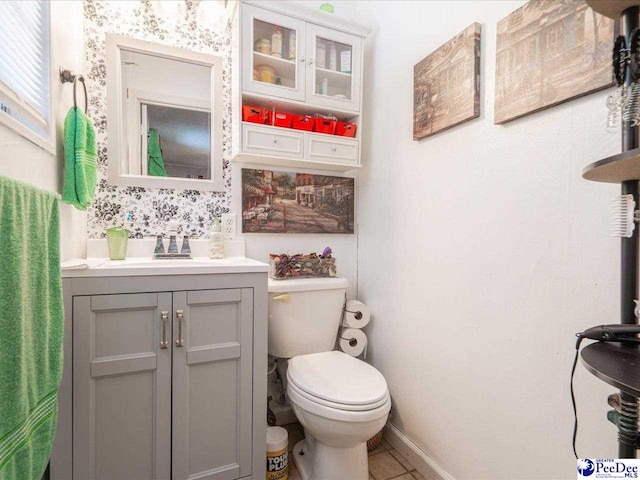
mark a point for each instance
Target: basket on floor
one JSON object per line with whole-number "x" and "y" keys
{"x": 374, "y": 441}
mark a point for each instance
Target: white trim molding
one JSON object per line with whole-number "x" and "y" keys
{"x": 426, "y": 465}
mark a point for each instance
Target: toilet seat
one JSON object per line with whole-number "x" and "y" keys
{"x": 338, "y": 378}
{"x": 350, "y": 416}
{"x": 336, "y": 385}
{"x": 339, "y": 406}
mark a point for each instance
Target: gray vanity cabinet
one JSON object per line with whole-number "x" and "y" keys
{"x": 212, "y": 369}
{"x": 163, "y": 383}
{"x": 121, "y": 387}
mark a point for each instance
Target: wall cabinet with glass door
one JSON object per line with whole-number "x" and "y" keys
{"x": 297, "y": 60}
{"x": 300, "y": 61}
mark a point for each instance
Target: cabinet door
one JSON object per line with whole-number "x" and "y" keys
{"x": 212, "y": 384}
{"x": 122, "y": 387}
{"x": 334, "y": 68}
{"x": 278, "y": 71}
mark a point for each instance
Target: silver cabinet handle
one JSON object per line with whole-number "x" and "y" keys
{"x": 334, "y": 149}
{"x": 302, "y": 59}
{"x": 165, "y": 317}
{"x": 275, "y": 140}
{"x": 180, "y": 316}
{"x": 310, "y": 62}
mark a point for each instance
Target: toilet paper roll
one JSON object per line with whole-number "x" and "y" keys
{"x": 357, "y": 314}
{"x": 352, "y": 341}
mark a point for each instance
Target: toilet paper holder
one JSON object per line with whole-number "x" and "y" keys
{"x": 357, "y": 314}
{"x": 352, "y": 341}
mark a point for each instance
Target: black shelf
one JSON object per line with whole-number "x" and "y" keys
{"x": 615, "y": 169}
{"x": 616, "y": 364}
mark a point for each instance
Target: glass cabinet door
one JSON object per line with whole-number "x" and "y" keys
{"x": 273, "y": 53}
{"x": 333, "y": 68}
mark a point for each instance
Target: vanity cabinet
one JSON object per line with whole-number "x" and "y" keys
{"x": 302, "y": 62}
{"x": 121, "y": 387}
{"x": 168, "y": 378}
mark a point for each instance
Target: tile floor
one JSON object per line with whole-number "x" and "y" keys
{"x": 385, "y": 462}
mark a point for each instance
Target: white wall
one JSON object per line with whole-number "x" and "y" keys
{"x": 23, "y": 160}
{"x": 482, "y": 251}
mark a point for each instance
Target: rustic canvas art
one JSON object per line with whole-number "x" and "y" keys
{"x": 549, "y": 52}
{"x": 446, "y": 85}
{"x": 284, "y": 202}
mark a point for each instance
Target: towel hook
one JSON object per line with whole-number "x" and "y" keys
{"x": 67, "y": 76}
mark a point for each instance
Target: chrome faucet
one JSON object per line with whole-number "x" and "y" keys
{"x": 159, "y": 245}
{"x": 172, "y": 251}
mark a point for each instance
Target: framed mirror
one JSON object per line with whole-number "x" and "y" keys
{"x": 164, "y": 116}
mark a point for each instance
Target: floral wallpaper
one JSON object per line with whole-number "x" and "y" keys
{"x": 151, "y": 208}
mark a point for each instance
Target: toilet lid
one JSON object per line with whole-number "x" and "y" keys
{"x": 337, "y": 377}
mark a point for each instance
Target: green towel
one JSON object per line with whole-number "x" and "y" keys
{"x": 156, "y": 164}
{"x": 31, "y": 326}
{"x": 80, "y": 157}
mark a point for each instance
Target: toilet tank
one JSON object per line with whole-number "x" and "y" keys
{"x": 304, "y": 315}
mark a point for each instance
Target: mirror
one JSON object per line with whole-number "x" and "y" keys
{"x": 164, "y": 108}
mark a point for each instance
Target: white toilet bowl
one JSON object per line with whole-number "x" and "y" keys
{"x": 341, "y": 402}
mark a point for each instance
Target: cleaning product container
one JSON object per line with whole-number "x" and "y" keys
{"x": 117, "y": 239}
{"x": 277, "y": 455}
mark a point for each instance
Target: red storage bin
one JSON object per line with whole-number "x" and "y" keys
{"x": 253, "y": 114}
{"x": 279, "y": 119}
{"x": 303, "y": 122}
{"x": 346, "y": 129}
{"x": 325, "y": 125}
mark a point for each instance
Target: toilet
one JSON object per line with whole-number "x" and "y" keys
{"x": 340, "y": 401}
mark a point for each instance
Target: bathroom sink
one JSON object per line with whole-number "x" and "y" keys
{"x": 164, "y": 263}
{"x": 136, "y": 266}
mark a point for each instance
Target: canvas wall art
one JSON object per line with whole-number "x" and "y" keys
{"x": 446, "y": 85}
{"x": 285, "y": 202}
{"x": 549, "y": 52}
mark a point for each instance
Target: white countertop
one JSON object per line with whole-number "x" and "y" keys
{"x": 142, "y": 266}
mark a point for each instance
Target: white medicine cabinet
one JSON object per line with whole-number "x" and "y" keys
{"x": 164, "y": 115}
{"x": 302, "y": 62}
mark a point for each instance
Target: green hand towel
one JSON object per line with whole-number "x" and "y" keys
{"x": 156, "y": 164}
{"x": 81, "y": 160}
{"x": 31, "y": 327}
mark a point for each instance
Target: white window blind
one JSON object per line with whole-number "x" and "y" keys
{"x": 24, "y": 63}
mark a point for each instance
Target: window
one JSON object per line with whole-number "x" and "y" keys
{"x": 25, "y": 94}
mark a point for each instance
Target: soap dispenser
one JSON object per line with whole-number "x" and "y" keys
{"x": 216, "y": 240}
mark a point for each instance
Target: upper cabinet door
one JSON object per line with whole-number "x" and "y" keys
{"x": 334, "y": 68}
{"x": 273, "y": 54}
{"x": 212, "y": 384}
{"x": 122, "y": 386}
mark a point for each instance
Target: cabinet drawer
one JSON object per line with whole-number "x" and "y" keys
{"x": 331, "y": 149}
{"x": 271, "y": 141}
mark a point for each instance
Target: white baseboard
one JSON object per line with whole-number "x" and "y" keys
{"x": 426, "y": 465}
